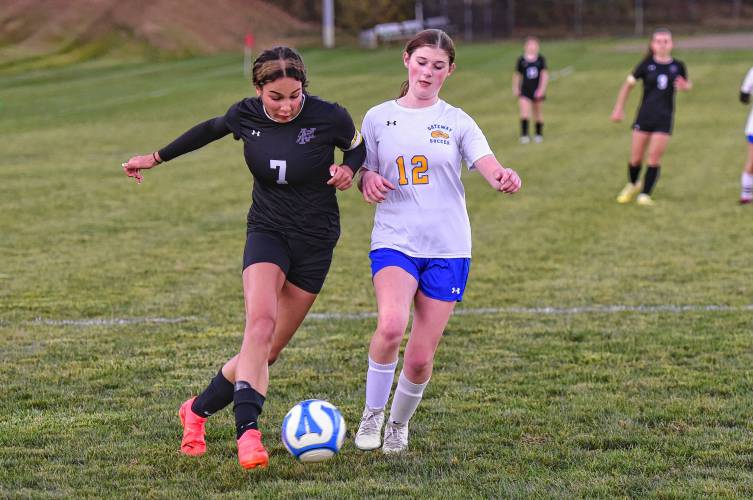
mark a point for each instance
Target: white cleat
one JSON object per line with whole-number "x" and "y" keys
{"x": 539, "y": 139}
{"x": 369, "y": 435}
{"x": 524, "y": 139}
{"x": 645, "y": 200}
{"x": 395, "y": 438}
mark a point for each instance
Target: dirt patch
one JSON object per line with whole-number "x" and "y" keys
{"x": 31, "y": 28}
{"x": 715, "y": 42}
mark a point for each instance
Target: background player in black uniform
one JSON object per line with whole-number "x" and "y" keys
{"x": 529, "y": 81}
{"x": 661, "y": 75}
{"x": 293, "y": 224}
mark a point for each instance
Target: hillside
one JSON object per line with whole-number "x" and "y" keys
{"x": 42, "y": 33}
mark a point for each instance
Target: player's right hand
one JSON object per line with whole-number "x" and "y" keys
{"x": 133, "y": 166}
{"x": 375, "y": 187}
{"x": 617, "y": 115}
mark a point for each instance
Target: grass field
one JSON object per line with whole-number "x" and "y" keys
{"x": 119, "y": 301}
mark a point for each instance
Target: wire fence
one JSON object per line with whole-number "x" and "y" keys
{"x": 488, "y": 19}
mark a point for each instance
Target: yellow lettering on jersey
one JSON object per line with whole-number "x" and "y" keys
{"x": 403, "y": 180}
{"x": 420, "y": 165}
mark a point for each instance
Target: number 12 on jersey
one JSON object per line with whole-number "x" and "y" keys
{"x": 420, "y": 165}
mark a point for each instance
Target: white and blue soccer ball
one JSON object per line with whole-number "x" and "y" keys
{"x": 313, "y": 430}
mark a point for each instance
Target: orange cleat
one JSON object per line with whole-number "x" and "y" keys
{"x": 193, "y": 443}
{"x": 251, "y": 452}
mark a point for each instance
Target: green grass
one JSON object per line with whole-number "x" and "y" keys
{"x": 521, "y": 404}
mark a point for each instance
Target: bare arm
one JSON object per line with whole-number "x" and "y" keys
{"x": 543, "y": 82}
{"x": 500, "y": 178}
{"x": 516, "y": 84}
{"x": 618, "y": 113}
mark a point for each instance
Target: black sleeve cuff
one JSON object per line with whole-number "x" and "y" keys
{"x": 355, "y": 157}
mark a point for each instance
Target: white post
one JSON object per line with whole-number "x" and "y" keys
{"x": 468, "y": 18}
{"x": 578, "y": 17}
{"x": 639, "y": 17}
{"x": 328, "y": 23}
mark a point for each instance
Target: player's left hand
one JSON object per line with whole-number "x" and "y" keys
{"x": 538, "y": 95}
{"x": 509, "y": 181}
{"x": 342, "y": 176}
{"x": 681, "y": 83}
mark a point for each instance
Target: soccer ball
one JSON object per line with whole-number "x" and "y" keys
{"x": 313, "y": 430}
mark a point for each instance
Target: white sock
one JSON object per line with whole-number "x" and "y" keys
{"x": 747, "y": 186}
{"x": 406, "y": 399}
{"x": 379, "y": 380}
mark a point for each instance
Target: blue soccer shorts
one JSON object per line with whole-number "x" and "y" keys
{"x": 440, "y": 279}
{"x": 750, "y": 138}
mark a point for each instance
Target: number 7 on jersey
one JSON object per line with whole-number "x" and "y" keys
{"x": 281, "y": 166}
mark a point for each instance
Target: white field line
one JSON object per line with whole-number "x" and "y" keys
{"x": 109, "y": 321}
{"x": 463, "y": 311}
{"x": 557, "y": 311}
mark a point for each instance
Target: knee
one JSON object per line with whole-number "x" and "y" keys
{"x": 390, "y": 329}
{"x": 418, "y": 365}
{"x": 260, "y": 329}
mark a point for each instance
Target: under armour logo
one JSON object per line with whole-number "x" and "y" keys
{"x": 305, "y": 135}
{"x": 393, "y": 122}
{"x": 456, "y": 291}
{"x": 256, "y": 133}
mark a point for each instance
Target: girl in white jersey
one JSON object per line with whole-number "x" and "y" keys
{"x": 421, "y": 241}
{"x": 746, "y": 194}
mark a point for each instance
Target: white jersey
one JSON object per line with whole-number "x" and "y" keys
{"x": 420, "y": 150}
{"x": 747, "y": 87}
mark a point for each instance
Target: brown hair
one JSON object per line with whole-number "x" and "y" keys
{"x": 429, "y": 38}
{"x": 657, "y": 31}
{"x": 278, "y": 62}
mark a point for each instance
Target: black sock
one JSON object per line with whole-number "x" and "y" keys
{"x": 634, "y": 173}
{"x": 247, "y": 407}
{"x": 539, "y": 128}
{"x": 523, "y": 127}
{"x": 652, "y": 175}
{"x": 217, "y": 395}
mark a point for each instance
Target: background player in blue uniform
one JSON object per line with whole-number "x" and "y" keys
{"x": 529, "y": 82}
{"x": 746, "y": 181}
{"x": 293, "y": 225}
{"x": 661, "y": 75}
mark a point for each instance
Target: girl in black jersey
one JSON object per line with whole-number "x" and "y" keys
{"x": 529, "y": 81}
{"x": 661, "y": 75}
{"x": 288, "y": 138}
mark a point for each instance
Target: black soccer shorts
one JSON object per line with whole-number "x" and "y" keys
{"x": 305, "y": 262}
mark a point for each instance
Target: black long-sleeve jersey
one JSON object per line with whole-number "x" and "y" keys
{"x": 658, "y": 101}
{"x": 289, "y": 162}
